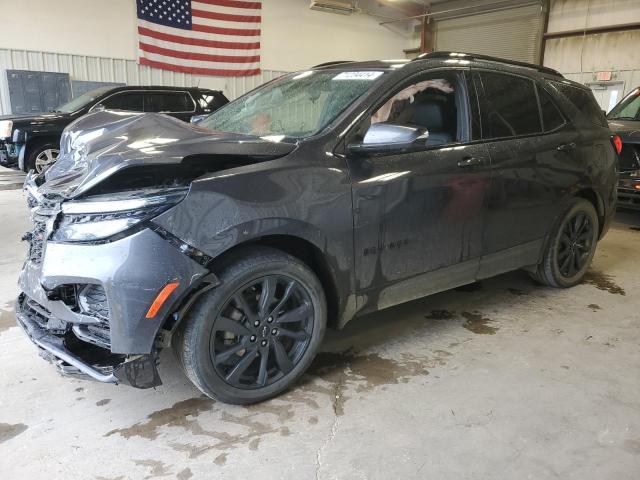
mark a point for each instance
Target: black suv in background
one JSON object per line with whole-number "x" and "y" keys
{"x": 33, "y": 141}
{"x": 624, "y": 120}
{"x": 317, "y": 197}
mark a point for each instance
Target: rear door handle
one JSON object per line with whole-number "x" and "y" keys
{"x": 470, "y": 162}
{"x": 565, "y": 147}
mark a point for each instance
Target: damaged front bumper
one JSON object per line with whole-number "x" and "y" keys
{"x": 84, "y": 305}
{"x": 138, "y": 371}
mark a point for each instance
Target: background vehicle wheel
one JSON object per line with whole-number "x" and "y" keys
{"x": 571, "y": 247}
{"x": 252, "y": 336}
{"x": 41, "y": 156}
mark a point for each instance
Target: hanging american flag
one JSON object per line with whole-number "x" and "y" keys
{"x": 203, "y": 37}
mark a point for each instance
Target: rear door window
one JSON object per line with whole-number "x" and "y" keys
{"x": 552, "y": 119}
{"x": 168, "y": 102}
{"x": 132, "y": 101}
{"x": 510, "y": 106}
{"x": 583, "y": 101}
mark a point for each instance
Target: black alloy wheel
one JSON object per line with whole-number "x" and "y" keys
{"x": 571, "y": 246}
{"x": 262, "y": 332}
{"x": 575, "y": 245}
{"x": 253, "y": 335}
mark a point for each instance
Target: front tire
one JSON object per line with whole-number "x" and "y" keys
{"x": 256, "y": 333}
{"x": 571, "y": 246}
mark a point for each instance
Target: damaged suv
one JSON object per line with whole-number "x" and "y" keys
{"x": 317, "y": 197}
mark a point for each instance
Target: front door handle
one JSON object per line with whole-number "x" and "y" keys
{"x": 470, "y": 162}
{"x": 566, "y": 147}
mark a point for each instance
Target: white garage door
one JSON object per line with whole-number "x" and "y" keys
{"x": 513, "y": 33}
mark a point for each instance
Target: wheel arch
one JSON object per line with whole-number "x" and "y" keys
{"x": 296, "y": 246}
{"x": 304, "y": 250}
{"x": 35, "y": 142}
{"x": 595, "y": 199}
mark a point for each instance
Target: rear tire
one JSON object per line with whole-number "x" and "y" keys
{"x": 571, "y": 246}
{"x": 255, "y": 334}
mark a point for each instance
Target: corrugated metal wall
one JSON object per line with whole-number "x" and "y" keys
{"x": 513, "y": 33}
{"x": 102, "y": 69}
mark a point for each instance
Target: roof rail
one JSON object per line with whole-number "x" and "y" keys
{"x": 335, "y": 62}
{"x": 487, "y": 58}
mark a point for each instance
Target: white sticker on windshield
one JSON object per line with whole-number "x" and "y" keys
{"x": 357, "y": 76}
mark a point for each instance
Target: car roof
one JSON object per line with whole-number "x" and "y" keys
{"x": 444, "y": 58}
{"x": 159, "y": 88}
{"x": 366, "y": 65}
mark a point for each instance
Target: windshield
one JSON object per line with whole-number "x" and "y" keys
{"x": 293, "y": 106}
{"x": 84, "y": 99}
{"x": 627, "y": 109}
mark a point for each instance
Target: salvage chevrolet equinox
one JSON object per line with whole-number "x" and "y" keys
{"x": 317, "y": 197}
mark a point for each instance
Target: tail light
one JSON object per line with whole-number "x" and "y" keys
{"x": 616, "y": 141}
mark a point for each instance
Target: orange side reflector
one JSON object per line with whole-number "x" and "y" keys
{"x": 161, "y": 298}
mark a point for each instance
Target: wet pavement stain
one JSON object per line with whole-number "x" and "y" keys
{"x": 333, "y": 375}
{"x": 440, "y": 315}
{"x": 103, "y": 402}
{"x": 476, "y": 323}
{"x": 156, "y": 467}
{"x": 8, "y": 431}
{"x": 365, "y": 372}
{"x": 185, "y": 474}
{"x": 632, "y": 446}
{"x": 7, "y": 319}
{"x": 594, "y": 306}
{"x": 254, "y": 444}
{"x": 174, "y": 416}
{"x": 602, "y": 281}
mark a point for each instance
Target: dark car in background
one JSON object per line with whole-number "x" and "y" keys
{"x": 317, "y": 197}
{"x": 624, "y": 120}
{"x": 33, "y": 141}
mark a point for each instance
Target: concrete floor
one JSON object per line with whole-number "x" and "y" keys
{"x": 501, "y": 381}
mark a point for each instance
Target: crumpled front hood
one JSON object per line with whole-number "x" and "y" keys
{"x": 96, "y": 146}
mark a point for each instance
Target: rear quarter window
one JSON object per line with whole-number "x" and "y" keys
{"x": 511, "y": 106}
{"x": 552, "y": 119}
{"x": 583, "y": 101}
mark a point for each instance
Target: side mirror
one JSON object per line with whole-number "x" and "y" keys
{"x": 197, "y": 118}
{"x": 98, "y": 108}
{"x": 388, "y": 138}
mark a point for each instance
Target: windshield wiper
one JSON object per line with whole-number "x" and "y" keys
{"x": 624, "y": 118}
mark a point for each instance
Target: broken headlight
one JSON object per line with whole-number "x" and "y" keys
{"x": 100, "y": 217}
